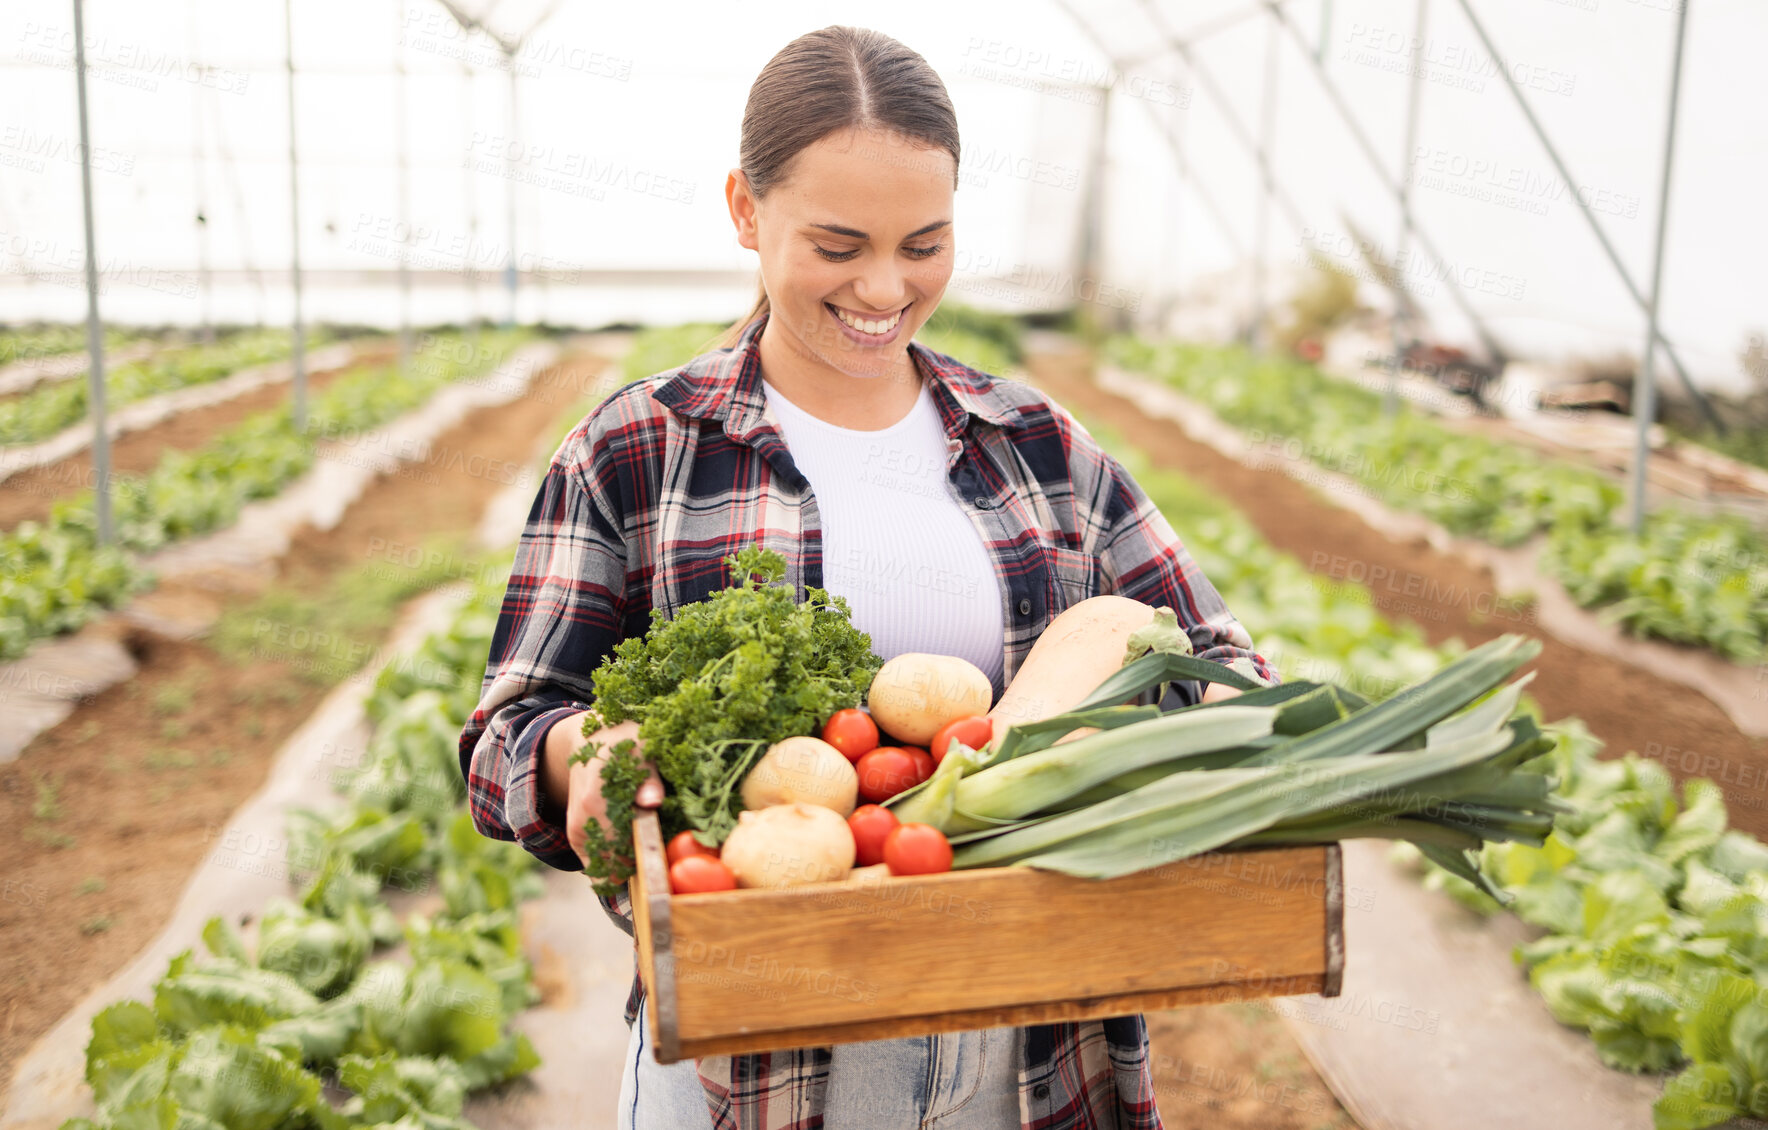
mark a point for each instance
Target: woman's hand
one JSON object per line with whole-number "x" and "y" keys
{"x": 581, "y": 783}
{"x": 1216, "y": 692}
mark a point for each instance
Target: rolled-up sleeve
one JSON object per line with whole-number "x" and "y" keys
{"x": 561, "y": 615}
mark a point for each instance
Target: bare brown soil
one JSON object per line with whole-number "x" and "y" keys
{"x": 28, "y": 496}
{"x": 1235, "y": 1067}
{"x": 107, "y": 815}
{"x": 1628, "y": 708}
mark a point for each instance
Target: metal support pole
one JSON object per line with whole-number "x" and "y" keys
{"x": 1172, "y": 142}
{"x": 402, "y": 147}
{"x": 94, "y": 330}
{"x": 1203, "y": 194}
{"x": 1399, "y": 328}
{"x": 1336, "y": 97}
{"x": 1090, "y": 253}
{"x": 205, "y": 285}
{"x": 1645, "y": 383}
{"x": 1608, "y": 248}
{"x": 509, "y": 178}
{"x": 299, "y": 385}
{"x": 1256, "y": 335}
{"x": 1225, "y": 103}
{"x": 1212, "y": 28}
{"x": 470, "y": 264}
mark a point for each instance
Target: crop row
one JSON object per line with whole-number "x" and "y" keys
{"x": 56, "y": 576}
{"x": 43, "y": 340}
{"x": 1690, "y": 579}
{"x": 1655, "y": 911}
{"x": 43, "y": 412}
{"x": 235, "y": 1038}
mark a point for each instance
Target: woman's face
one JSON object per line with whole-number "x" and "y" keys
{"x": 855, "y": 245}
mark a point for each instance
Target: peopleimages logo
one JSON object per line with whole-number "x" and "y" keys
{"x": 1445, "y": 62}
{"x": 1494, "y": 181}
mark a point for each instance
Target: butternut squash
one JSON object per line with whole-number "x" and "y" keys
{"x": 916, "y": 693}
{"x": 1083, "y": 644}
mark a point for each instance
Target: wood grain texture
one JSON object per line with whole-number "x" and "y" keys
{"x": 876, "y": 957}
{"x": 652, "y": 926}
{"x": 1334, "y": 982}
{"x": 1054, "y": 1012}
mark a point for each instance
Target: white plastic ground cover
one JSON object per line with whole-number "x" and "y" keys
{"x": 37, "y": 690}
{"x": 146, "y": 413}
{"x": 23, "y": 376}
{"x": 1436, "y": 1027}
{"x": 1740, "y": 691}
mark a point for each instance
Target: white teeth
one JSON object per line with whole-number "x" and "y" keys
{"x": 865, "y": 325}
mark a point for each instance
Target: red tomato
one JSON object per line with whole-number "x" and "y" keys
{"x": 695, "y": 874}
{"x": 683, "y": 844}
{"x": 851, "y": 731}
{"x": 884, "y": 772}
{"x": 870, "y": 823}
{"x": 923, "y": 762}
{"x": 917, "y": 849}
{"x": 974, "y": 732}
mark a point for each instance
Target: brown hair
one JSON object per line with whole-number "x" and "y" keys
{"x": 829, "y": 80}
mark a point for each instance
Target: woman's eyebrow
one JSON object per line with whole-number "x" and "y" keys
{"x": 854, "y": 233}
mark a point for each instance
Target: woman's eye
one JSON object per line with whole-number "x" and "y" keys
{"x": 844, "y": 256}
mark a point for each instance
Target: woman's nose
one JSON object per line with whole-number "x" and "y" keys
{"x": 880, "y": 288}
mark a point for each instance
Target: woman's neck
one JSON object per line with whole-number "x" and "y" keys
{"x": 861, "y": 403}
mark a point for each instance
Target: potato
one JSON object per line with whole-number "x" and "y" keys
{"x": 788, "y": 845}
{"x": 916, "y": 693}
{"x": 804, "y": 769}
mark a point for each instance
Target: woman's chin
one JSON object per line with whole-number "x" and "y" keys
{"x": 858, "y": 361}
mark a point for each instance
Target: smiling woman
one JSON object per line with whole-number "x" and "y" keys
{"x": 955, "y": 512}
{"x": 849, "y": 165}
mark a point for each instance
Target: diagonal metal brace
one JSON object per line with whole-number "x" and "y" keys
{"x": 1614, "y": 258}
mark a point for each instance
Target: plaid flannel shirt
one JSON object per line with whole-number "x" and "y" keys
{"x": 667, "y": 476}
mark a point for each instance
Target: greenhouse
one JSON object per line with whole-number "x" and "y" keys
{"x": 1120, "y": 563}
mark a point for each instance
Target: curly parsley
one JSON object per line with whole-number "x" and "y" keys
{"x": 711, "y": 689}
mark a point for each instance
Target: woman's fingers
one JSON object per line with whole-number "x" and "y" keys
{"x": 586, "y": 801}
{"x": 650, "y": 794}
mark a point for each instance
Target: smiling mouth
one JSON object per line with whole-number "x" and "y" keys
{"x": 877, "y": 327}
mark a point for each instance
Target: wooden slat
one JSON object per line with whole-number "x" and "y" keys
{"x": 753, "y": 968}
{"x": 1334, "y": 980}
{"x": 1054, "y": 1012}
{"x": 651, "y": 920}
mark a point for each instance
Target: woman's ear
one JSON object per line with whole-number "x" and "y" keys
{"x": 742, "y": 208}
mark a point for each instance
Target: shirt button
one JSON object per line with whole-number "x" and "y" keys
{"x": 1024, "y": 606}
{"x": 983, "y": 502}
{"x": 1041, "y": 1091}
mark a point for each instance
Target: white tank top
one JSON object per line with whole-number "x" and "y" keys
{"x": 896, "y": 544}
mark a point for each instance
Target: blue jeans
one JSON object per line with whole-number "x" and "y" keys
{"x": 953, "y": 1081}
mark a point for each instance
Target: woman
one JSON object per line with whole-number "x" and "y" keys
{"x": 957, "y": 513}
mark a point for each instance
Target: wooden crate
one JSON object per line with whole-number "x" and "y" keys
{"x": 869, "y": 959}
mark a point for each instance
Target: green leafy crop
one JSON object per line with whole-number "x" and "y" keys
{"x": 711, "y": 689}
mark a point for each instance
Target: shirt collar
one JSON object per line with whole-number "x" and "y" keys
{"x": 725, "y": 384}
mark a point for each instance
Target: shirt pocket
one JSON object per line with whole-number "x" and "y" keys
{"x": 1074, "y": 576}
